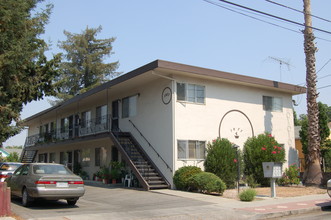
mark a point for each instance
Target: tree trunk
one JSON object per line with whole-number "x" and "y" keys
{"x": 313, "y": 174}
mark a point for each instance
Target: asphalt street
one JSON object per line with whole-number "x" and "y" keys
{"x": 124, "y": 203}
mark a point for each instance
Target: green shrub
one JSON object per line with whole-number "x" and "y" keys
{"x": 222, "y": 160}
{"x": 247, "y": 195}
{"x": 251, "y": 181}
{"x": 183, "y": 174}
{"x": 207, "y": 183}
{"x": 290, "y": 176}
{"x": 263, "y": 148}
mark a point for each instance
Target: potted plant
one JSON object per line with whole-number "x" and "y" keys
{"x": 116, "y": 170}
{"x": 105, "y": 174}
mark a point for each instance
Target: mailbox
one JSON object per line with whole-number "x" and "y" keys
{"x": 272, "y": 169}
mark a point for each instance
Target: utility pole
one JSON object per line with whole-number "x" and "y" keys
{"x": 313, "y": 173}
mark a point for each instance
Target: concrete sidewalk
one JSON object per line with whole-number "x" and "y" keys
{"x": 262, "y": 207}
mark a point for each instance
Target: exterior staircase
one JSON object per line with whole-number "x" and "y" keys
{"x": 147, "y": 173}
{"x": 28, "y": 156}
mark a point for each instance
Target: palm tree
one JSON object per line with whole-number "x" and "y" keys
{"x": 313, "y": 174}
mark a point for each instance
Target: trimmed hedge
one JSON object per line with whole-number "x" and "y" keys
{"x": 182, "y": 176}
{"x": 207, "y": 183}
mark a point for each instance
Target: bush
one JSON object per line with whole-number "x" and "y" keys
{"x": 222, "y": 160}
{"x": 263, "y": 148}
{"x": 251, "y": 181}
{"x": 290, "y": 176}
{"x": 207, "y": 183}
{"x": 247, "y": 195}
{"x": 183, "y": 174}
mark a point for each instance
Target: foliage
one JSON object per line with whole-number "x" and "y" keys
{"x": 290, "y": 176}
{"x": 251, "y": 181}
{"x": 263, "y": 148}
{"x": 323, "y": 127}
{"x": 84, "y": 68}
{"x": 25, "y": 72}
{"x": 12, "y": 157}
{"x": 182, "y": 176}
{"x": 247, "y": 195}
{"x": 105, "y": 172}
{"x": 207, "y": 183}
{"x": 116, "y": 168}
{"x": 222, "y": 160}
{"x": 327, "y": 157}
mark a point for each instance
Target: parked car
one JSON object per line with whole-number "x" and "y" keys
{"x": 7, "y": 169}
{"x": 47, "y": 181}
{"x": 329, "y": 187}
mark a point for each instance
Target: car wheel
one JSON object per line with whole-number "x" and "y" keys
{"x": 72, "y": 202}
{"x": 26, "y": 199}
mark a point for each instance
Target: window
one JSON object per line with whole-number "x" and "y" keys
{"x": 129, "y": 106}
{"x": 191, "y": 149}
{"x": 64, "y": 125}
{"x": 101, "y": 114}
{"x": 86, "y": 119}
{"x": 86, "y": 157}
{"x": 273, "y": 104}
{"x": 52, "y": 157}
{"x": 97, "y": 156}
{"x": 190, "y": 93}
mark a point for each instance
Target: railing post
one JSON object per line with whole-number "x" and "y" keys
{"x": 5, "y": 202}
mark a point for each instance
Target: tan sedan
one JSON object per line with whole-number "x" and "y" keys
{"x": 45, "y": 181}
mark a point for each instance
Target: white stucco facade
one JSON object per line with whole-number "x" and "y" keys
{"x": 232, "y": 108}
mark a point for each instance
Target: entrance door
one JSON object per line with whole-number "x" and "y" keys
{"x": 71, "y": 126}
{"x": 115, "y": 116}
{"x": 76, "y": 125}
{"x": 69, "y": 162}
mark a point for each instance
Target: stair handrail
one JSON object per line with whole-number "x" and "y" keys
{"x": 151, "y": 146}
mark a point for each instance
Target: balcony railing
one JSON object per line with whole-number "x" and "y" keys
{"x": 85, "y": 128}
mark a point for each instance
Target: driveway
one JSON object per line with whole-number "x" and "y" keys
{"x": 123, "y": 203}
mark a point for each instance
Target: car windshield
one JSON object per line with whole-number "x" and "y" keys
{"x": 7, "y": 166}
{"x": 50, "y": 169}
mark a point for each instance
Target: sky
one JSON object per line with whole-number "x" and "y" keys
{"x": 205, "y": 33}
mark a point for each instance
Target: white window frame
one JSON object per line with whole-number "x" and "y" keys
{"x": 186, "y": 151}
{"x": 272, "y": 104}
{"x": 192, "y": 93}
{"x": 101, "y": 114}
{"x": 129, "y": 106}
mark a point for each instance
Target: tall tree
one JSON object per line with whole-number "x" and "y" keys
{"x": 313, "y": 174}
{"x": 25, "y": 72}
{"x": 322, "y": 126}
{"x": 84, "y": 68}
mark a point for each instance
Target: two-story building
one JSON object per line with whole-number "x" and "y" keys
{"x": 160, "y": 117}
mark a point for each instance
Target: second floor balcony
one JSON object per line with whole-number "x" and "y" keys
{"x": 73, "y": 131}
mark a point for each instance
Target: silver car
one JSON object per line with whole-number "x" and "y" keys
{"x": 328, "y": 185}
{"x": 48, "y": 181}
{"x": 7, "y": 169}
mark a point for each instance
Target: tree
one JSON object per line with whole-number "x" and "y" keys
{"x": 13, "y": 157}
{"x": 222, "y": 160}
{"x": 313, "y": 173}
{"x": 25, "y": 73}
{"x": 84, "y": 68}
{"x": 323, "y": 128}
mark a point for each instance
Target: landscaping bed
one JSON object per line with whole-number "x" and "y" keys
{"x": 281, "y": 191}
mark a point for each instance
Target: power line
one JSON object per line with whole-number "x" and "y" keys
{"x": 267, "y": 22}
{"x": 276, "y": 3}
{"x": 274, "y": 16}
{"x": 241, "y": 13}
